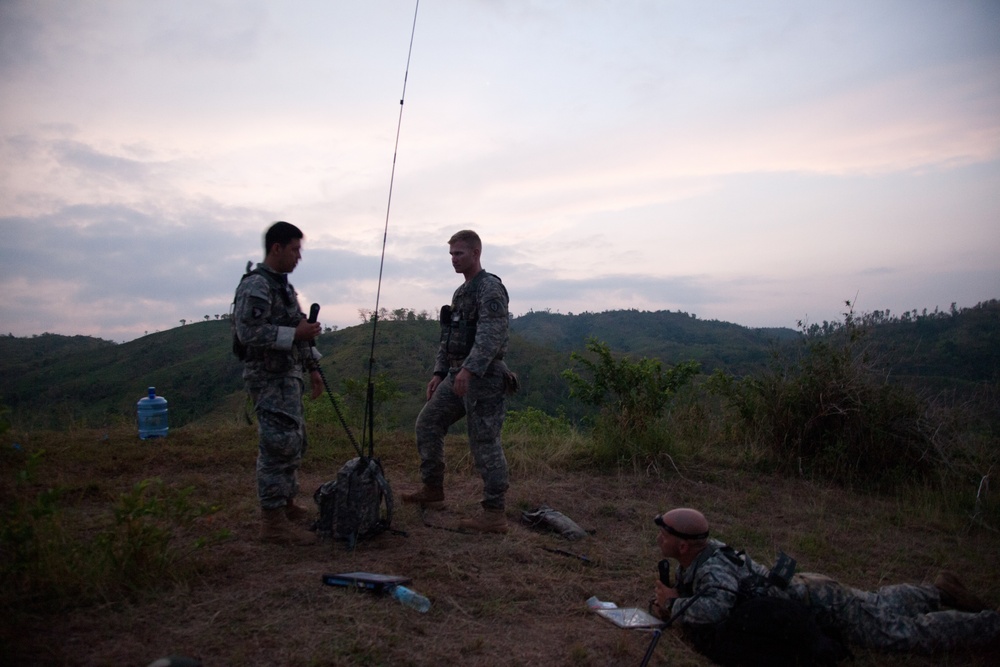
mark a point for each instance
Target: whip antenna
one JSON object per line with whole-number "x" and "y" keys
{"x": 370, "y": 400}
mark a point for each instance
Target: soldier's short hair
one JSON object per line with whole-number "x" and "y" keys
{"x": 468, "y": 237}
{"x": 281, "y": 233}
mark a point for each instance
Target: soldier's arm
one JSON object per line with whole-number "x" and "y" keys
{"x": 441, "y": 361}
{"x": 491, "y": 330}
{"x": 716, "y": 589}
{"x": 253, "y": 313}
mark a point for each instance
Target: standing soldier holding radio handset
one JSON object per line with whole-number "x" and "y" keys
{"x": 470, "y": 380}
{"x": 273, "y": 339}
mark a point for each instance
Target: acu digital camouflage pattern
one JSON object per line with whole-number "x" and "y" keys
{"x": 282, "y": 442}
{"x": 266, "y": 312}
{"x": 546, "y": 518}
{"x": 479, "y": 305}
{"x": 903, "y": 617}
{"x": 475, "y": 334}
{"x": 356, "y": 504}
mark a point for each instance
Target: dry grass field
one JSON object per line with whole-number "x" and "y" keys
{"x": 496, "y": 600}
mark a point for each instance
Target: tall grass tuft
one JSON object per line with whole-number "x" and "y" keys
{"x": 534, "y": 440}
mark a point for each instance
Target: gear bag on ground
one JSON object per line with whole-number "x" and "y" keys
{"x": 357, "y": 504}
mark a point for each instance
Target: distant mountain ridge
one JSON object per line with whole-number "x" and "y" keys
{"x": 666, "y": 335}
{"x": 53, "y": 381}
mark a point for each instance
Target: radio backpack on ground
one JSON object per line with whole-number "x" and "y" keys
{"x": 357, "y": 504}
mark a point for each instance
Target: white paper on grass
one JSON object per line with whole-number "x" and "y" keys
{"x": 624, "y": 617}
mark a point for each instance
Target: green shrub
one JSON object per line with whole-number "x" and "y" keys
{"x": 828, "y": 409}
{"x": 632, "y": 397}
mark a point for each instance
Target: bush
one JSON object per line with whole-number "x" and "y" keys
{"x": 828, "y": 409}
{"x": 632, "y": 397}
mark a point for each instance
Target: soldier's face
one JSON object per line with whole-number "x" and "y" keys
{"x": 669, "y": 544}
{"x": 287, "y": 257}
{"x": 664, "y": 541}
{"x": 463, "y": 257}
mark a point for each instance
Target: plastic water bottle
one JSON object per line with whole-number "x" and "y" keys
{"x": 152, "y": 411}
{"x": 410, "y": 598}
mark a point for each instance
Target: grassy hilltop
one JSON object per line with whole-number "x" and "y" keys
{"x": 119, "y": 551}
{"x": 141, "y": 549}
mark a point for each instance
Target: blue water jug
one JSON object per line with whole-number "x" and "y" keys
{"x": 152, "y": 416}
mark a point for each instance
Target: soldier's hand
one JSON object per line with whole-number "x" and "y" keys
{"x": 461, "y": 385}
{"x": 432, "y": 386}
{"x": 664, "y": 593}
{"x": 307, "y": 330}
{"x": 316, "y": 382}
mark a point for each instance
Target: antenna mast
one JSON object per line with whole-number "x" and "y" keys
{"x": 370, "y": 399}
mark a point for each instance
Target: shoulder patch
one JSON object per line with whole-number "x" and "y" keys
{"x": 496, "y": 307}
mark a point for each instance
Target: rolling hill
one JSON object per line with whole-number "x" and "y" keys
{"x": 53, "y": 381}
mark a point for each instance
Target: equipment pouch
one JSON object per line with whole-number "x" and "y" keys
{"x": 446, "y": 315}
{"x": 278, "y": 362}
{"x": 781, "y": 573}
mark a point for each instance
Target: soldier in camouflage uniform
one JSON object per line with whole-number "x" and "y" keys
{"x": 275, "y": 337}
{"x": 904, "y": 617}
{"x": 470, "y": 380}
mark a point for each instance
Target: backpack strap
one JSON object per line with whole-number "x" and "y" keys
{"x": 276, "y": 283}
{"x": 479, "y": 276}
{"x": 686, "y": 590}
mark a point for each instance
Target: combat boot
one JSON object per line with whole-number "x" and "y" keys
{"x": 276, "y": 529}
{"x": 489, "y": 521}
{"x": 296, "y": 513}
{"x": 954, "y": 594}
{"x": 426, "y": 495}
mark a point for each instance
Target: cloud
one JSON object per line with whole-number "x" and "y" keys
{"x": 749, "y": 163}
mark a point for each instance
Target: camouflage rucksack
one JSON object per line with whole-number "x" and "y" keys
{"x": 356, "y": 504}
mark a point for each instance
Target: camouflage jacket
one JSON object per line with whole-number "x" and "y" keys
{"x": 475, "y": 334}
{"x": 266, "y": 312}
{"x": 716, "y": 575}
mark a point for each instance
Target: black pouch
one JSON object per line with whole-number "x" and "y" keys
{"x": 781, "y": 573}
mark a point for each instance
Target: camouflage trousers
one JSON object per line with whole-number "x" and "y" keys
{"x": 903, "y": 617}
{"x": 484, "y": 407}
{"x": 281, "y": 429}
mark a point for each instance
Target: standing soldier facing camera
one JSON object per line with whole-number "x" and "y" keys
{"x": 470, "y": 380}
{"x": 273, "y": 338}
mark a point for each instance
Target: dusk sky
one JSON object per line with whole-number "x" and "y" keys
{"x": 756, "y": 162}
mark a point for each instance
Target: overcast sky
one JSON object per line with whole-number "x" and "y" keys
{"x": 757, "y": 162}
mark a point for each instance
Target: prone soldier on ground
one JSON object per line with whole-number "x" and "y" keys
{"x": 714, "y": 580}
